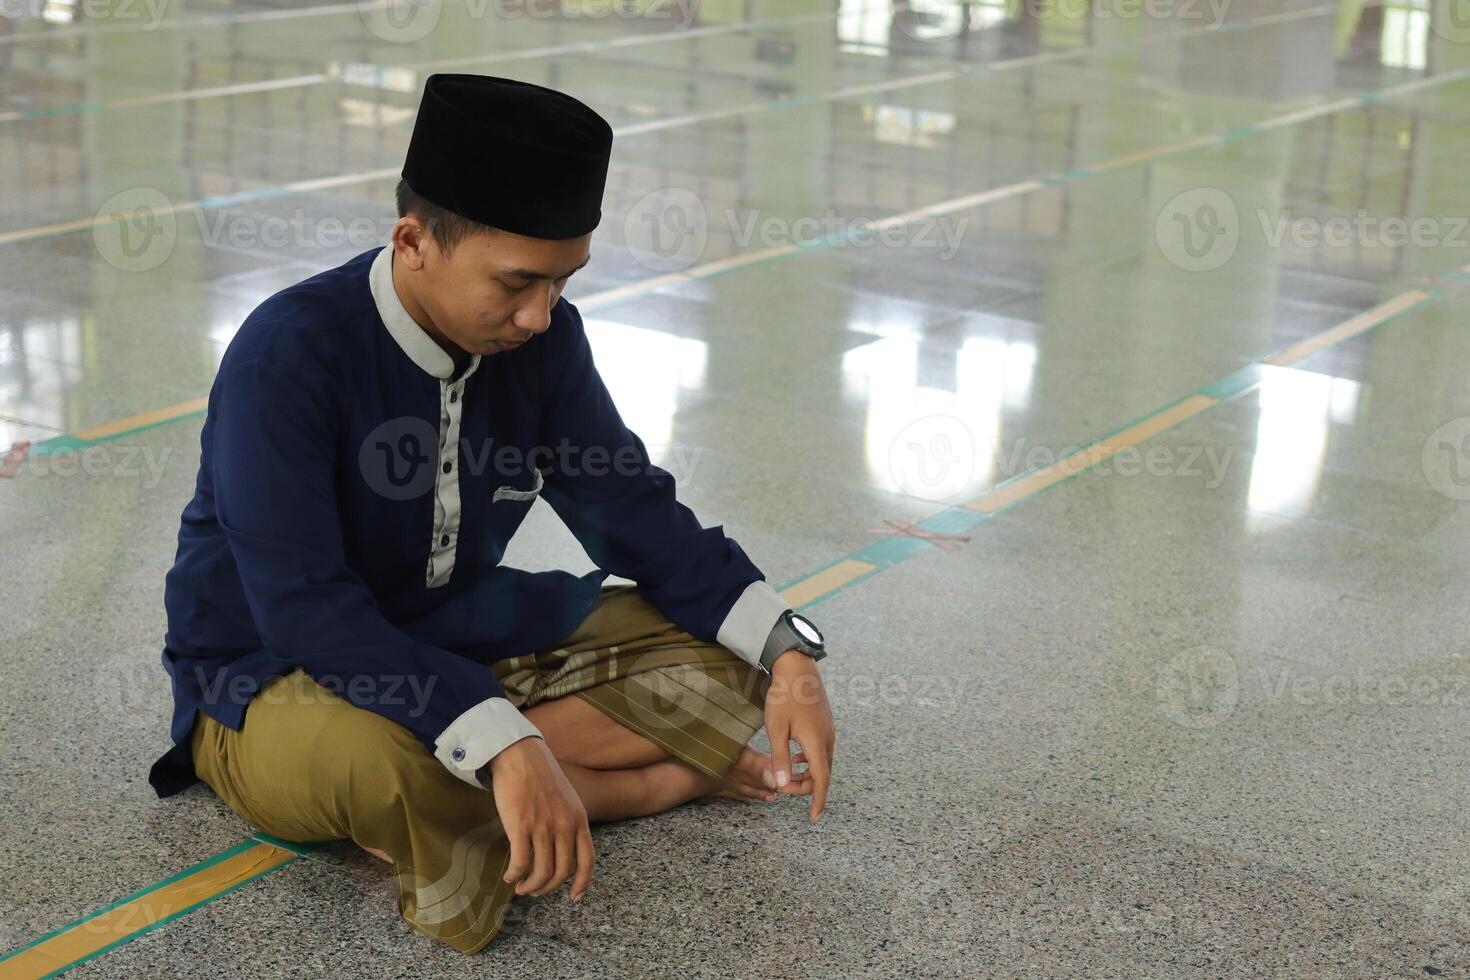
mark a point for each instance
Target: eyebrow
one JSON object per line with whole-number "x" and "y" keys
{"x": 532, "y": 274}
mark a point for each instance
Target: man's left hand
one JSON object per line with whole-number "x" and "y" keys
{"x": 796, "y": 708}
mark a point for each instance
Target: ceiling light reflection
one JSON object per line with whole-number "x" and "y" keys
{"x": 1297, "y": 410}
{"x": 988, "y": 375}
{"x": 645, "y": 370}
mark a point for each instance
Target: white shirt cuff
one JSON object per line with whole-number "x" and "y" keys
{"x": 749, "y": 622}
{"x": 478, "y": 735}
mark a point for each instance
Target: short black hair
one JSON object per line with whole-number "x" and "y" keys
{"x": 448, "y": 228}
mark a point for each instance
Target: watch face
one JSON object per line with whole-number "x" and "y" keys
{"x": 806, "y": 630}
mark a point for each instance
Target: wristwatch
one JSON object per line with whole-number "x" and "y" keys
{"x": 792, "y": 631}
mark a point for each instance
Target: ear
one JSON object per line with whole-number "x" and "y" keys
{"x": 411, "y": 241}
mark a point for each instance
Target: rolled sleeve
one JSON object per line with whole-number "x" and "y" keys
{"x": 479, "y": 735}
{"x": 748, "y": 624}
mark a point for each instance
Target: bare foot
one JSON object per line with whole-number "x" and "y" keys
{"x": 751, "y": 778}
{"x": 377, "y": 854}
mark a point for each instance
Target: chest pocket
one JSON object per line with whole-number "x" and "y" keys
{"x": 511, "y": 493}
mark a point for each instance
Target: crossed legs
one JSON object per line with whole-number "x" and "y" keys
{"x": 620, "y": 774}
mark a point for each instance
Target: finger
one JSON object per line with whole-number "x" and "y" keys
{"x": 797, "y": 777}
{"x": 565, "y": 863}
{"x": 754, "y": 791}
{"x": 801, "y": 784}
{"x": 821, "y": 777}
{"x": 543, "y": 852}
{"x": 520, "y": 857}
{"x": 795, "y": 786}
{"x": 781, "y": 755}
{"x": 794, "y": 777}
{"x": 586, "y": 856}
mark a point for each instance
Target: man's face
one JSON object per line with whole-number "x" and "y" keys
{"x": 494, "y": 291}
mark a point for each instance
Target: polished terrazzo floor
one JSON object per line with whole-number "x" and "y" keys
{"x": 1199, "y": 710}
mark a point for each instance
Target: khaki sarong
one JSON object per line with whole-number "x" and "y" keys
{"x": 308, "y": 766}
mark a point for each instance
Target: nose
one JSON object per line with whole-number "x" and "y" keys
{"x": 535, "y": 315}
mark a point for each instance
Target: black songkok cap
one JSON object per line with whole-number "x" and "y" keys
{"x": 512, "y": 155}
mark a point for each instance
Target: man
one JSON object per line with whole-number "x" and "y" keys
{"x": 348, "y": 657}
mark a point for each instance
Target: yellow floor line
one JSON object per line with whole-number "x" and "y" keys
{"x": 143, "y": 419}
{"x": 1152, "y": 152}
{"x": 1008, "y": 493}
{"x": 1366, "y": 320}
{"x": 829, "y": 579}
{"x": 91, "y": 936}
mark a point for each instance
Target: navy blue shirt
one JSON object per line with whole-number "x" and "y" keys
{"x": 330, "y": 531}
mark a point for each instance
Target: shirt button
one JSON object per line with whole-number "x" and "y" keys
{"x": 448, "y": 467}
{"x": 444, "y": 541}
{"x": 453, "y": 397}
{"x": 457, "y": 755}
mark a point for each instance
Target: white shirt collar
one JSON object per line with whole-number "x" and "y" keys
{"x": 418, "y": 345}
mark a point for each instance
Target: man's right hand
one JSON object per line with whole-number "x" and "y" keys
{"x": 543, "y": 818}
